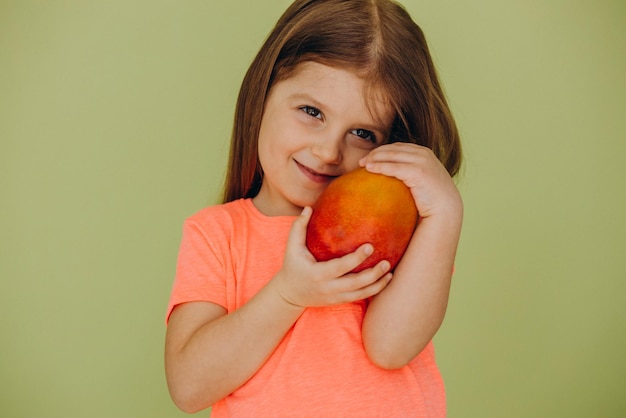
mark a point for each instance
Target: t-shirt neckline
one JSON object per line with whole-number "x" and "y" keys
{"x": 256, "y": 213}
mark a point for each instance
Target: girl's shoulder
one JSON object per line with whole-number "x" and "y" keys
{"x": 222, "y": 217}
{"x": 237, "y": 212}
{"x": 226, "y": 226}
{"x": 235, "y": 209}
{"x": 215, "y": 226}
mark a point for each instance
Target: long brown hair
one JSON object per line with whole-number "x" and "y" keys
{"x": 376, "y": 38}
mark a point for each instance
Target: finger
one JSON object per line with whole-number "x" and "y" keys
{"x": 370, "y": 290}
{"x": 408, "y": 173}
{"x": 400, "y": 157}
{"x": 299, "y": 226}
{"x": 398, "y": 151}
{"x": 367, "y": 277}
{"x": 340, "y": 266}
{"x": 356, "y": 281}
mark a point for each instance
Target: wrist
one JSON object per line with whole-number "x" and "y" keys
{"x": 450, "y": 220}
{"x": 280, "y": 295}
{"x": 450, "y": 207}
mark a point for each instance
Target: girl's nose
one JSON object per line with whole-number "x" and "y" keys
{"x": 328, "y": 150}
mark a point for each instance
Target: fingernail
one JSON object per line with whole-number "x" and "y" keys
{"x": 369, "y": 249}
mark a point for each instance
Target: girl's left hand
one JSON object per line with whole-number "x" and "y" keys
{"x": 432, "y": 187}
{"x": 405, "y": 316}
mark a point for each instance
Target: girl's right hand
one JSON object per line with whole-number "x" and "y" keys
{"x": 304, "y": 282}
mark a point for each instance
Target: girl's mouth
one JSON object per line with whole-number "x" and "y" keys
{"x": 313, "y": 175}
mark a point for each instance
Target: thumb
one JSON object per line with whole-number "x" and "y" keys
{"x": 299, "y": 227}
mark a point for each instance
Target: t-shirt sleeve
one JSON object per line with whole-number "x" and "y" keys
{"x": 200, "y": 271}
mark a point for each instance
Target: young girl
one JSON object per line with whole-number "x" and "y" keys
{"x": 257, "y": 327}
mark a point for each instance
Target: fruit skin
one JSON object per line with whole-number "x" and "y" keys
{"x": 362, "y": 207}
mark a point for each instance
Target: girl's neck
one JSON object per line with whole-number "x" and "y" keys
{"x": 269, "y": 208}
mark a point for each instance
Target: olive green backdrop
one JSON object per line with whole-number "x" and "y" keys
{"x": 114, "y": 126}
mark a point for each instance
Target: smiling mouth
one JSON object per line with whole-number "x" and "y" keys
{"x": 314, "y": 175}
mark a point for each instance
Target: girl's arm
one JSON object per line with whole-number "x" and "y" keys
{"x": 209, "y": 353}
{"x": 405, "y": 316}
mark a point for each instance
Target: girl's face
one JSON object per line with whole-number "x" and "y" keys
{"x": 316, "y": 125}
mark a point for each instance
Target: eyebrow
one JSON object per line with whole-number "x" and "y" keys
{"x": 305, "y": 98}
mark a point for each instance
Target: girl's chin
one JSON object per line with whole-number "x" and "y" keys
{"x": 300, "y": 204}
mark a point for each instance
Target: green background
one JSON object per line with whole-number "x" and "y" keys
{"x": 114, "y": 126}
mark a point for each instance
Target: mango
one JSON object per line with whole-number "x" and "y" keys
{"x": 362, "y": 207}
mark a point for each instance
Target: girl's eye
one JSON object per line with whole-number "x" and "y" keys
{"x": 365, "y": 134}
{"x": 312, "y": 111}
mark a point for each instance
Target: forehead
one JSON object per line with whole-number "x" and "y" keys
{"x": 335, "y": 80}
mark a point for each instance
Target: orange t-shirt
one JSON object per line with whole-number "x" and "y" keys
{"x": 320, "y": 369}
